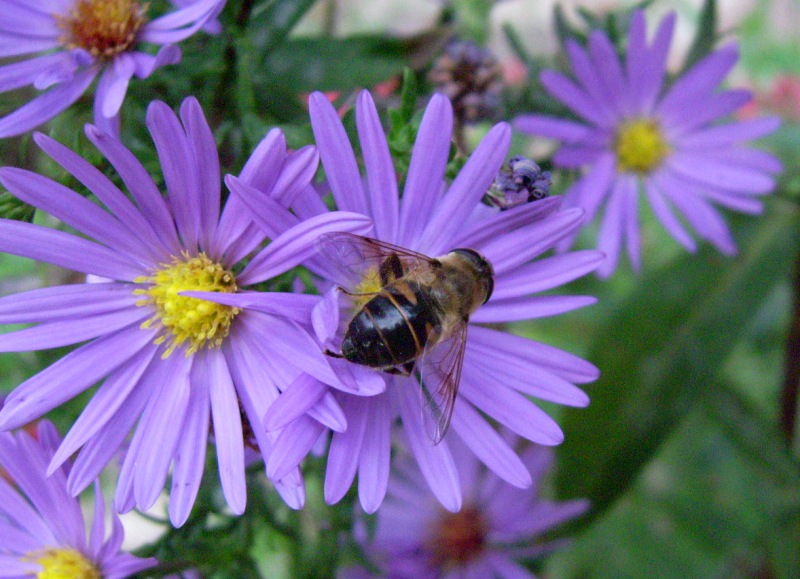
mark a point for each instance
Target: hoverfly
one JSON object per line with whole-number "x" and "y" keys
{"x": 411, "y": 314}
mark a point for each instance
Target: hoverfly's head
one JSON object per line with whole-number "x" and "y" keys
{"x": 483, "y": 270}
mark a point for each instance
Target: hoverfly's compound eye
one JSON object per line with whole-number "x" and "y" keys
{"x": 482, "y": 267}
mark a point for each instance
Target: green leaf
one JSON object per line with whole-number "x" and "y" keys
{"x": 408, "y": 96}
{"x": 271, "y": 22}
{"x": 308, "y": 64}
{"x": 472, "y": 19}
{"x": 706, "y": 35}
{"x": 706, "y": 506}
{"x": 659, "y": 354}
{"x": 563, "y": 29}
{"x": 516, "y": 44}
{"x": 13, "y": 208}
{"x": 755, "y": 437}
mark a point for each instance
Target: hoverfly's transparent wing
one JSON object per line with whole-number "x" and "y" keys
{"x": 366, "y": 262}
{"x": 439, "y": 374}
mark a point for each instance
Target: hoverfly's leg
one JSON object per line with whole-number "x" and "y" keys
{"x": 332, "y": 354}
{"x": 405, "y": 370}
{"x": 355, "y": 294}
{"x": 391, "y": 269}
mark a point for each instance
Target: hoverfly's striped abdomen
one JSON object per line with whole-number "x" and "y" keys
{"x": 392, "y": 328}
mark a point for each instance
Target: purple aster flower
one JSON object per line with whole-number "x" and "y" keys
{"x": 500, "y": 370}
{"x": 60, "y": 46}
{"x": 638, "y": 134}
{"x": 498, "y": 525}
{"x": 43, "y": 529}
{"x": 175, "y": 363}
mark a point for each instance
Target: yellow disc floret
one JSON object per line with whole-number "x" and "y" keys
{"x": 182, "y": 319}
{"x": 640, "y": 146}
{"x": 64, "y": 563}
{"x": 103, "y": 28}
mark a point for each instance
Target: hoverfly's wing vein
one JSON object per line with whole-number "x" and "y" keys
{"x": 360, "y": 259}
{"x": 440, "y": 374}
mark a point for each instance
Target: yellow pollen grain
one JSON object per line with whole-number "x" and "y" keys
{"x": 185, "y": 320}
{"x": 103, "y": 28}
{"x": 64, "y": 563}
{"x": 369, "y": 285}
{"x": 640, "y": 146}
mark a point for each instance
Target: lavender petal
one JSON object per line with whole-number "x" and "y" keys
{"x": 435, "y": 461}
{"x": 381, "y": 178}
{"x": 529, "y": 308}
{"x": 293, "y": 402}
{"x": 337, "y": 156}
{"x": 179, "y": 166}
{"x": 128, "y": 216}
{"x": 103, "y": 406}
{"x": 69, "y": 376}
{"x": 513, "y": 410}
{"x": 293, "y": 444}
{"x": 329, "y": 413}
{"x": 466, "y": 191}
{"x": 488, "y": 445}
{"x": 207, "y": 195}
{"x": 227, "y": 430}
{"x": 46, "y": 106}
{"x": 67, "y": 332}
{"x": 546, "y": 274}
{"x": 66, "y": 302}
{"x": 141, "y": 186}
{"x": 160, "y": 427}
{"x": 505, "y": 253}
{"x": 574, "y": 97}
{"x": 297, "y": 244}
{"x": 375, "y": 457}
{"x": 346, "y": 448}
{"x": 564, "y": 364}
{"x": 426, "y": 170}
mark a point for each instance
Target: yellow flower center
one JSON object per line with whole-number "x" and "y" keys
{"x": 458, "y": 537}
{"x": 104, "y": 28}
{"x": 640, "y": 146}
{"x": 186, "y": 320}
{"x": 64, "y": 563}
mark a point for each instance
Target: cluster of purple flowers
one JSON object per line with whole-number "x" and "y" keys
{"x": 186, "y": 346}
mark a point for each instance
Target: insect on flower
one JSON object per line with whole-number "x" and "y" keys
{"x": 411, "y": 314}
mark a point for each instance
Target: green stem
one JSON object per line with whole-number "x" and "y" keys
{"x": 329, "y": 18}
{"x": 244, "y": 13}
{"x": 791, "y": 381}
